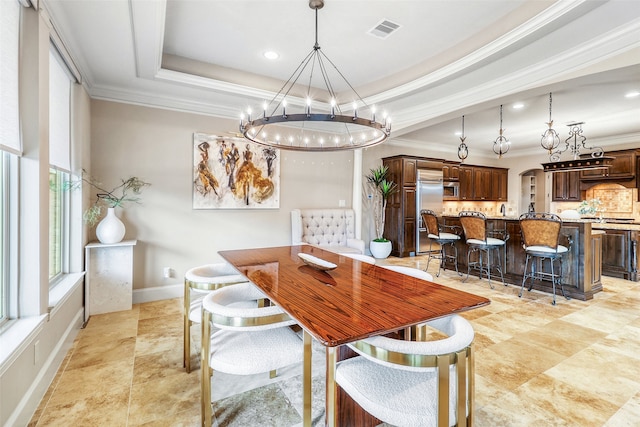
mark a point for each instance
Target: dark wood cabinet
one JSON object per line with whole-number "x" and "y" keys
{"x": 499, "y": 186}
{"x": 622, "y": 167}
{"x": 466, "y": 183}
{"x": 482, "y": 183}
{"x": 450, "y": 172}
{"x": 620, "y": 254}
{"x": 400, "y": 215}
{"x": 566, "y": 187}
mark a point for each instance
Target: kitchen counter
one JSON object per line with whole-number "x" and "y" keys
{"x": 582, "y": 266}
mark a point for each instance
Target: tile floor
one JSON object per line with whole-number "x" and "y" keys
{"x": 575, "y": 364}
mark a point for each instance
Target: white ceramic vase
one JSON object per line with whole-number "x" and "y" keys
{"x": 110, "y": 229}
{"x": 380, "y": 250}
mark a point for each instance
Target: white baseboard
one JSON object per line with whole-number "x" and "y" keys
{"x": 158, "y": 293}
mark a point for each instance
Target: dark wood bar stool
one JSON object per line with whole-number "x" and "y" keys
{"x": 540, "y": 237}
{"x": 438, "y": 233}
{"x": 479, "y": 239}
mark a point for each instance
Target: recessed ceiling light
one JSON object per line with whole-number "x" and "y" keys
{"x": 271, "y": 55}
{"x": 632, "y": 94}
{"x": 518, "y": 105}
{"x": 458, "y": 133}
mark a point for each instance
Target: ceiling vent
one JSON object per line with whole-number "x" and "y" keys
{"x": 384, "y": 29}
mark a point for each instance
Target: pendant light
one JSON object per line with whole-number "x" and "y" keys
{"x": 501, "y": 145}
{"x": 550, "y": 138}
{"x": 463, "y": 150}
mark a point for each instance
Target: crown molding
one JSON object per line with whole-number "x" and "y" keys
{"x": 148, "y": 99}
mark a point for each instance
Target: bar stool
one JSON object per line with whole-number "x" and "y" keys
{"x": 480, "y": 240}
{"x": 198, "y": 282}
{"x": 540, "y": 237}
{"x": 436, "y": 234}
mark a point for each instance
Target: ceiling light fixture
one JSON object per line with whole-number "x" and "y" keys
{"x": 270, "y": 54}
{"x": 463, "y": 150}
{"x": 501, "y": 145}
{"x": 632, "y": 94}
{"x": 574, "y": 142}
{"x": 550, "y": 138}
{"x": 308, "y": 129}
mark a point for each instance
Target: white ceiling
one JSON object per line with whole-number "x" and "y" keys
{"x": 448, "y": 58}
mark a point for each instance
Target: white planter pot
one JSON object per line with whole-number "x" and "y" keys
{"x": 380, "y": 250}
{"x": 110, "y": 229}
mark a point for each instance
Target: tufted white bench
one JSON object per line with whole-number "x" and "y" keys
{"x": 331, "y": 229}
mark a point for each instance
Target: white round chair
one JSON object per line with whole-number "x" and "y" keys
{"x": 198, "y": 282}
{"x": 414, "y": 383}
{"x": 249, "y": 340}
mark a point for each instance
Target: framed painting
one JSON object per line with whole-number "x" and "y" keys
{"x": 234, "y": 173}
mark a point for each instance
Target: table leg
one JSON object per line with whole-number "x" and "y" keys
{"x": 331, "y": 397}
{"x": 306, "y": 380}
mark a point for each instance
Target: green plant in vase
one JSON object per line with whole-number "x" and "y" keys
{"x": 383, "y": 188}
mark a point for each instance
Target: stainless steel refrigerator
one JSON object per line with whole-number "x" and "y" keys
{"x": 428, "y": 196}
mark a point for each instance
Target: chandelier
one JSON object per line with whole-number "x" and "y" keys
{"x": 575, "y": 142}
{"x": 287, "y": 122}
{"x": 550, "y": 138}
{"x": 501, "y": 145}
{"x": 463, "y": 150}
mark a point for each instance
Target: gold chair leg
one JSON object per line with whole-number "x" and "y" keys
{"x": 205, "y": 371}
{"x": 186, "y": 342}
{"x": 331, "y": 392}
{"x": 272, "y": 374}
{"x": 306, "y": 380}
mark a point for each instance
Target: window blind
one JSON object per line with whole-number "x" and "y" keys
{"x": 9, "y": 60}
{"x": 59, "y": 112}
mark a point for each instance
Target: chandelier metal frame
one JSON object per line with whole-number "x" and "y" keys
{"x": 315, "y": 131}
{"x": 501, "y": 145}
{"x": 597, "y": 159}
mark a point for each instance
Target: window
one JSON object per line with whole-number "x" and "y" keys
{"x": 4, "y": 288}
{"x": 59, "y": 160}
{"x": 9, "y": 141}
{"x": 58, "y": 224}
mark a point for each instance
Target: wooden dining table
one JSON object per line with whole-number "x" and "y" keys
{"x": 350, "y": 302}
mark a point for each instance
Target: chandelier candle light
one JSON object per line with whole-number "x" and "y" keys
{"x": 501, "y": 145}
{"x": 318, "y": 125}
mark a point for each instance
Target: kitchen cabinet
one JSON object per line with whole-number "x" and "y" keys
{"x": 466, "y": 183}
{"x": 450, "y": 172}
{"x": 566, "y": 187}
{"x": 620, "y": 254}
{"x": 480, "y": 183}
{"x": 400, "y": 215}
{"x": 623, "y": 167}
{"x": 499, "y": 187}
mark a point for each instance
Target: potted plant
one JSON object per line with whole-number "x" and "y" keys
{"x": 383, "y": 188}
{"x": 110, "y": 229}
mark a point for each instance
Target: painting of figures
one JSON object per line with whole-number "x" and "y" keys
{"x": 234, "y": 173}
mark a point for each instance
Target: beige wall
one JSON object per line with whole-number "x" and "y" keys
{"x": 156, "y": 145}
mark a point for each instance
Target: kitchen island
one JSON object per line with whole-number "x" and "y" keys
{"x": 582, "y": 265}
